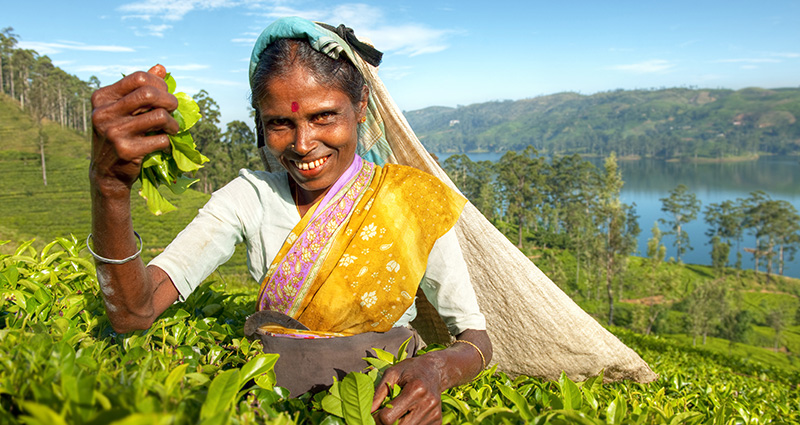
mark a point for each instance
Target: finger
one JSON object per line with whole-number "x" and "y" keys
{"x": 383, "y": 389}
{"x": 123, "y": 87}
{"x": 110, "y": 124}
{"x": 135, "y": 149}
{"x": 158, "y": 70}
{"x": 146, "y": 98}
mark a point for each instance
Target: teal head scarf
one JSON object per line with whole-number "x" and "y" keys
{"x": 372, "y": 144}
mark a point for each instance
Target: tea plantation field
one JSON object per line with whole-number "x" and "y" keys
{"x": 61, "y": 363}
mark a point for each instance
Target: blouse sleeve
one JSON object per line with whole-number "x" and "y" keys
{"x": 210, "y": 239}
{"x": 448, "y": 287}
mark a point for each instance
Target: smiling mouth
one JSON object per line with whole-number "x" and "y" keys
{"x": 308, "y": 166}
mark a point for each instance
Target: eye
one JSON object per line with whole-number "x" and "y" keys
{"x": 324, "y": 117}
{"x": 278, "y": 123}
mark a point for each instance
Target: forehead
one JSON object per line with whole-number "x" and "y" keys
{"x": 298, "y": 88}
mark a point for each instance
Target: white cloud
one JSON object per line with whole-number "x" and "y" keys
{"x": 188, "y": 67}
{"x": 646, "y": 67}
{"x": 748, "y": 60}
{"x": 787, "y": 55}
{"x": 171, "y": 10}
{"x": 407, "y": 39}
{"x": 216, "y": 82}
{"x": 157, "y": 30}
{"x": 389, "y": 73}
{"x": 44, "y": 48}
{"x": 115, "y": 71}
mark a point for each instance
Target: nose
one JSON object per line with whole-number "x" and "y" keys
{"x": 304, "y": 140}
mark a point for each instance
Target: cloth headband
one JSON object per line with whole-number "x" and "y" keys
{"x": 322, "y": 37}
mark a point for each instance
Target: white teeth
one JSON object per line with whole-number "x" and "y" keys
{"x": 305, "y": 166}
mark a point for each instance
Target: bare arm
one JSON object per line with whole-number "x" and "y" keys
{"x": 424, "y": 378}
{"x": 129, "y": 120}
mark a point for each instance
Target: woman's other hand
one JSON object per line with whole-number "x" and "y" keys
{"x": 424, "y": 378}
{"x": 130, "y": 119}
{"x": 420, "y": 401}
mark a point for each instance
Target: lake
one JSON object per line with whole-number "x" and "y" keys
{"x": 648, "y": 180}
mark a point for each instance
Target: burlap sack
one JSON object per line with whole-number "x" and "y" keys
{"x": 535, "y": 328}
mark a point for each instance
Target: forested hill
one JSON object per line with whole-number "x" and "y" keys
{"x": 668, "y": 123}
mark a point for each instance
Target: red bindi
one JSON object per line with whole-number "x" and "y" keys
{"x": 295, "y": 106}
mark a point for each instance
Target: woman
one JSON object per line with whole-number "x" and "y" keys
{"x": 340, "y": 244}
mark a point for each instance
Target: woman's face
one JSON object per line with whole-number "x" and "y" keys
{"x": 312, "y": 129}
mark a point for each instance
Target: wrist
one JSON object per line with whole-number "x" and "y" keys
{"x": 107, "y": 187}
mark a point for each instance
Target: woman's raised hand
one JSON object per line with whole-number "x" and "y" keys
{"x": 130, "y": 119}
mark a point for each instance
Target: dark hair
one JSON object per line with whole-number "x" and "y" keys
{"x": 280, "y": 57}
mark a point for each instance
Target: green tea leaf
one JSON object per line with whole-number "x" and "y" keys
{"x": 160, "y": 168}
{"x": 258, "y": 365}
{"x": 156, "y": 202}
{"x": 518, "y": 400}
{"x": 615, "y": 413}
{"x": 356, "y": 392}
{"x": 221, "y": 394}
{"x": 188, "y": 110}
{"x": 174, "y": 377}
{"x": 42, "y": 415}
{"x": 570, "y": 393}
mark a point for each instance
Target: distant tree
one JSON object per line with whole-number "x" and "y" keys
{"x": 682, "y": 207}
{"x": 776, "y": 227}
{"x": 240, "y": 143}
{"x": 704, "y": 309}
{"x": 658, "y": 281}
{"x": 735, "y": 322}
{"x": 777, "y": 321}
{"x": 571, "y": 193}
{"x": 618, "y": 228}
{"x": 725, "y": 220}
{"x": 8, "y": 40}
{"x": 720, "y": 251}
{"x": 475, "y": 180}
{"x": 521, "y": 179}
{"x": 207, "y": 136}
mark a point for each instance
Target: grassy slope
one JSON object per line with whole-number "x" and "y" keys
{"x": 31, "y": 210}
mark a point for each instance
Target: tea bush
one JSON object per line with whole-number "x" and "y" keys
{"x": 61, "y": 363}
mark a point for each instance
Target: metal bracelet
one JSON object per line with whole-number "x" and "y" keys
{"x": 483, "y": 359}
{"x": 111, "y": 260}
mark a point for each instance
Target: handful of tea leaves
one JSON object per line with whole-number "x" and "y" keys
{"x": 160, "y": 168}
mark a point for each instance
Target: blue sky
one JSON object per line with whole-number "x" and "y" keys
{"x": 436, "y": 52}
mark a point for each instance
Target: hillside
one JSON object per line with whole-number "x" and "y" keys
{"x": 668, "y": 123}
{"x": 32, "y": 210}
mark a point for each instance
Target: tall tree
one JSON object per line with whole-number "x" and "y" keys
{"x": 475, "y": 180}
{"x": 207, "y": 135}
{"x": 8, "y": 40}
{"x": 521, "y": 179}
{"x": 682, "y": 207}
{"x": 618, "y": 226}
{"x": 657, "y": 280}
{"x": 725, "y": 221}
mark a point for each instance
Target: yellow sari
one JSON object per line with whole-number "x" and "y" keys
{"x": 355, "y": 267}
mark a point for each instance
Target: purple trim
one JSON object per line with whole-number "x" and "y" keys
{"x": 348, "y": 175}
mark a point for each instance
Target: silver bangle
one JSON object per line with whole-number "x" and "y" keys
{"x": 110, "y": 260}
